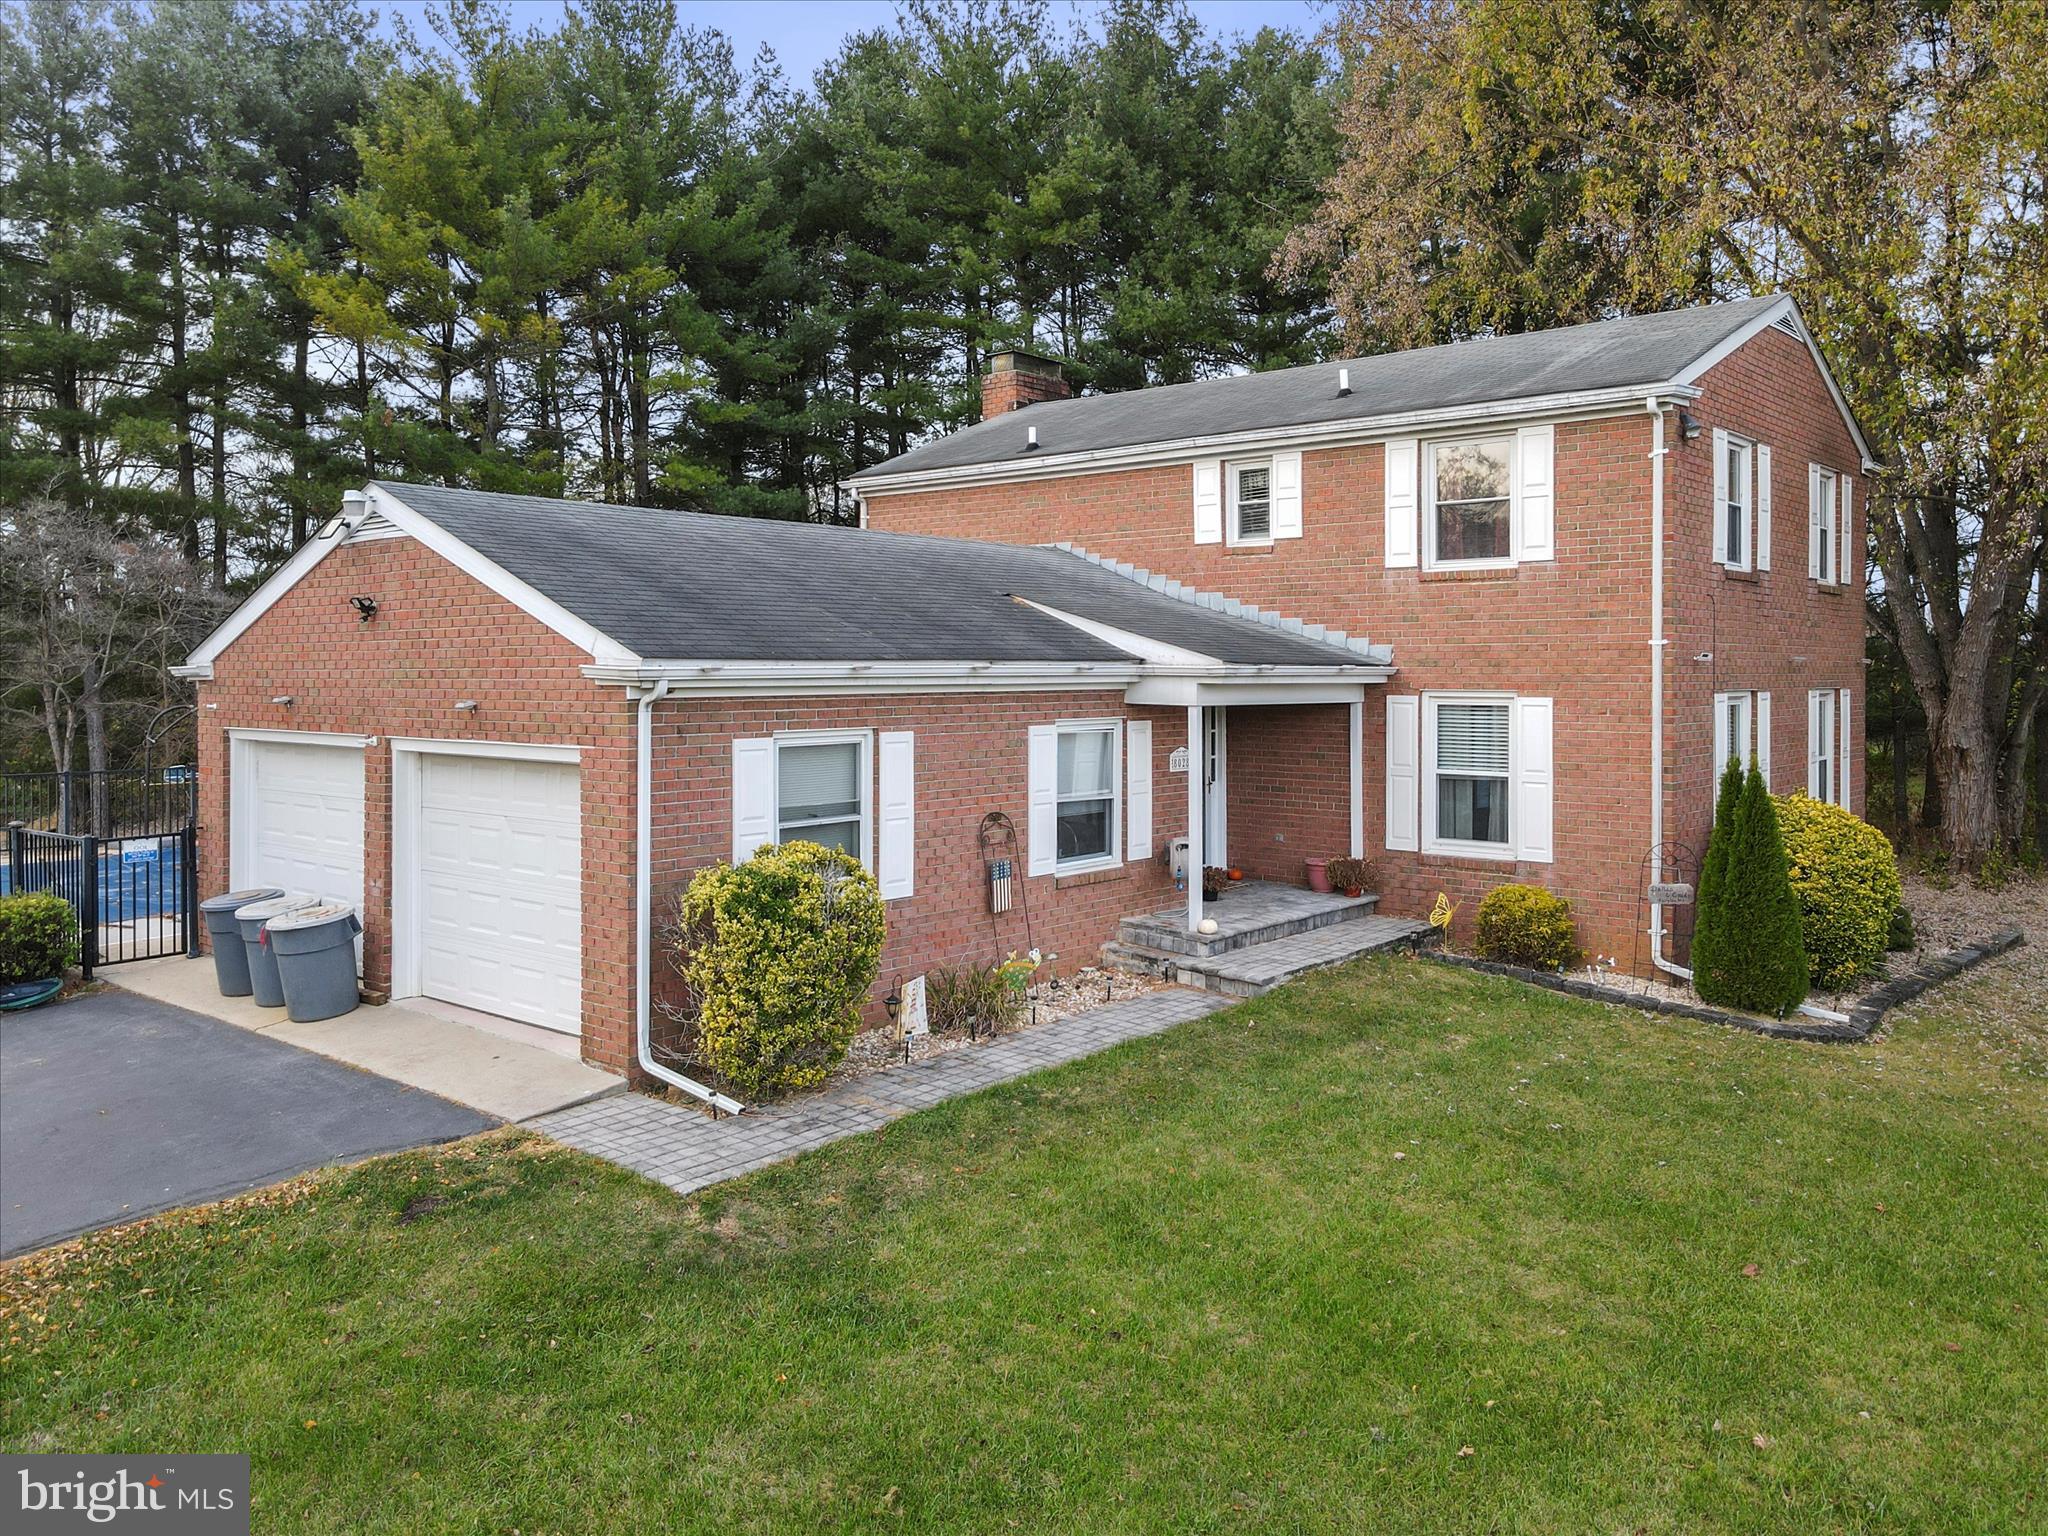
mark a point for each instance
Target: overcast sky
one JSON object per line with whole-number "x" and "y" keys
{"x": 805, "y": 33}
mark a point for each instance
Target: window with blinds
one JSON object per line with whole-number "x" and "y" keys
{"x": 1472, "y": 768}
{"x": 1085, "y": 790}
{"x": 819, "y": 793}
{"x": 1251, "y": 502}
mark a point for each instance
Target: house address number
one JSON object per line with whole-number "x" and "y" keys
{"x": 1178, "y": 761}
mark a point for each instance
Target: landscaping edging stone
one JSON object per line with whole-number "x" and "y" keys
{"x": 1864, "y": 1018}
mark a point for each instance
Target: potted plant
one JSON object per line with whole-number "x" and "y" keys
{"x": 1351, "y": 876}
{"x": 1319, "y": 874}
{"x": 1214, "y": 881}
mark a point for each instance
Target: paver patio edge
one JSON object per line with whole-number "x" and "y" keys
{"x": 687, "y": 1151}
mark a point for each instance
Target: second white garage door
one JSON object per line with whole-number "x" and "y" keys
{"x": 500, "y": 883}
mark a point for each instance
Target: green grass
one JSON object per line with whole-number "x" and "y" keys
{"x": 1271, "y": 1270}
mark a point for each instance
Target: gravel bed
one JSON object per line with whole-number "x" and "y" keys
{"x": 1061, "y": 997}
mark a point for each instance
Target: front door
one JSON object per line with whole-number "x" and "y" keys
{"x": 1215, "y": 788}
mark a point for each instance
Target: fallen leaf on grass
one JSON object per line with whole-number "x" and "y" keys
{"x": 1761, "y": 1442}
{"x": 1750, "y": 1270}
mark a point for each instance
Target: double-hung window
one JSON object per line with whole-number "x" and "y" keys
{"x": 1086, "y": 794}
{"x": 1251, "y": 503}
{"x": 1737, "y": 509}
{"x": 1732, "y": 724}
{"x": 1823, "y": 767}
{"x": 1826, "y": 526}
{"x": 1471, "y": 768}
{"x": 821, "y": 791}
{"x": 1471, "y": 501}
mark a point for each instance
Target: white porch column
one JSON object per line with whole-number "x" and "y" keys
{"x": 1358, "y": 778}
{"x": 1196, "y": 817}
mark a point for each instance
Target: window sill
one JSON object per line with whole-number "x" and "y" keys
{"x": 1734, "y": 575}
{"x": 1831, "y": 588}
{"x": 1470, "y": 853}
{"x": 1469, "y": 572}
{"x": 1097, "y": 874}
{"x": 1249, "y": 549}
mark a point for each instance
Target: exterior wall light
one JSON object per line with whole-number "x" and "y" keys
{"x": 366, "y": 606}
{"x": 285, "y": 699}
{"x": 463, "y": 705}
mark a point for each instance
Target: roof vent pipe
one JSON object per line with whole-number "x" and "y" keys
{"x": 1030, "y": 439}
{"x": 1343, "y": 382}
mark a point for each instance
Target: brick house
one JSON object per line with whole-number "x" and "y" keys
{"x": 1604, "y": 557}
{"x": 510, "y": 727}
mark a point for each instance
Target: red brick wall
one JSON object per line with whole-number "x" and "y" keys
{"x": 1289, "y": 787}
{"x": 971, "y": 758}
{"x": 1575, "y": 628}
{"x": 438, "y": 637}
{"x": 1776, "y": 631}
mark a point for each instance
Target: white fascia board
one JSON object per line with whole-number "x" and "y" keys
{"x": 1322, "y": 434}
{"x": 768, "y": 679}
{"x": 1187, "y": 692}
{"x": 1697, "y": 369}
{"x": 334, "y": 533}
{"x": 1143, "y": 647}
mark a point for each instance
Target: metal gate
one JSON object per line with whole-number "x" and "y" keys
{"x": 119, "y": 847}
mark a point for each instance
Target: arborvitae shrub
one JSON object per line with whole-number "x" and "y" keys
{"x": 1758, "y": 952}
{"x": 1708, "y": 923}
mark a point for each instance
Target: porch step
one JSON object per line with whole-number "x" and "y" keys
{"x": 1258, "y": 968}
{"x": 1252, "y": 912}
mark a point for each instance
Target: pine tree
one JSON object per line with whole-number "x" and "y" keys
{"x": 1710, "y": 915}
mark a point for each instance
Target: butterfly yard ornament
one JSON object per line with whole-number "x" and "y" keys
{"x": 1440, "y": 918}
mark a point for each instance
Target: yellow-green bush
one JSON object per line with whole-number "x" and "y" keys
{"x": 779, "y": 953}
{"x": 38, "y": 937}
{"x": 1527, "y": 925}
{"x": 1847, "y": 880}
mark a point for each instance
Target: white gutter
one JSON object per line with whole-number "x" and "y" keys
{"x": 643, "y": 906}
{"x": 1363, "y": 429}
{"x": 755, "y": 679}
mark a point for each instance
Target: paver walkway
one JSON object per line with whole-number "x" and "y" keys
{"x": 687, "y": 1150}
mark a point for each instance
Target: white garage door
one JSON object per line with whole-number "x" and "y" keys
{"x": 299, "y": 819}
{"x": 500, "y": 882}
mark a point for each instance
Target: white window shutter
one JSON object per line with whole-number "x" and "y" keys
{"x": 1138, "y": 789}
{"x": 1721, "y": 743}
{"x": 1287, "y": 495}
{"x": 1208, "y": 501}
{"x": 1533, "y": 788}
{"x": 1042, "y": 824}
{"x": 1401, "y": 501}
{"x": 896, "y": 814}
{"x": 1404, "y": 770}
{"x": 1763, "y": 736}
{"x": 1848, "y": 572}
{"x": 1842, "y": 758}
{"x": 753, "y": 795}
{"x": 1720, "y": 497}
{"x": 1763, "y": 507}
{"x": 1815, "y": 513}
{"x": 1535, "y": 501}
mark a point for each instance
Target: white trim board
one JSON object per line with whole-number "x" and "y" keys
{"x": 1785, "y": 308}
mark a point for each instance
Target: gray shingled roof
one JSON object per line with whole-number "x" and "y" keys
{"x": 674, "y": 586}
{"x": 1605, "y": 354}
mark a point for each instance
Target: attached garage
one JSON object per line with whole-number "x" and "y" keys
{"x": 297, "y": 815}
{"x": 487, "y": 854}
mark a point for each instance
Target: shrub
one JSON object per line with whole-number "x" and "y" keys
{"x": 972, "y": 998}
{"x": 1708, "y": 920}
{"x": 1900, "y": 935}
{"x": 1754, "y": 957}
{"x": 38, "y": 937}
{"x": 1352, "y": 874}
{"x": 1527, "y": 925}
{"x": 780, "y": 953}
{"x": 1846, "y": 878}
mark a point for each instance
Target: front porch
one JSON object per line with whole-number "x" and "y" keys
{"x": 1266, "y": 933}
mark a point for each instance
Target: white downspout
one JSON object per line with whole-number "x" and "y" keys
{"x": 643, "y": 902}
{"x": 1658, "y": 453}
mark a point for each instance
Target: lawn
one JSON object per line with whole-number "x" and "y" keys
{"x": 1396, "y": 1248}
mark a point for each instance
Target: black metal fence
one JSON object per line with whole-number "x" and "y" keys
{"x": 119, "y": 847}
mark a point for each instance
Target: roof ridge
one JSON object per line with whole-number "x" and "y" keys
{"x": 1231, "y": 607}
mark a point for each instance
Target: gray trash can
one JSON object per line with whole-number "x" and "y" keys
{"x": 264, "y": 987}
{"x": 230, "y": 960}
{"x": 315, "y": 948}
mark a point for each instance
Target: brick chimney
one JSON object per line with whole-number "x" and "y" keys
{"x": 1016, "y": 379}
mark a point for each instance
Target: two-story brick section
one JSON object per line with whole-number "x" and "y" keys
{"x": 1415, "y": 607}
{"x": 1554, "y": 533}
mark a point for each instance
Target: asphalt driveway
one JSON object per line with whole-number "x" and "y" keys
{"x": 113, "y": 1106}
